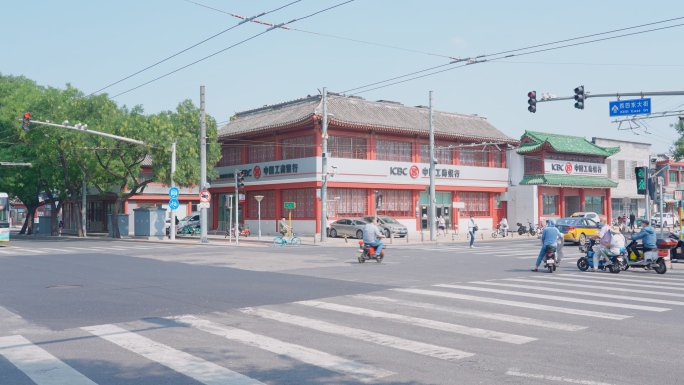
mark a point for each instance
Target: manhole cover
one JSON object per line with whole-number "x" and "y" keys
{"x": 64, "y": 287}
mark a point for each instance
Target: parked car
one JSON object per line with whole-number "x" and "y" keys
{"x": 668, "y": 220}
{"x": 192, "y": 220}
{"x": 577, "y": 229}
{"x": 388, "y": 224}
{"x": 347, "y": 226}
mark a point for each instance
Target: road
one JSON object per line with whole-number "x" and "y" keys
{"x": 100, "y": 311}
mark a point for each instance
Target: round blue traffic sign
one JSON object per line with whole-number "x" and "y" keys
{"x": 173, "y": 204}
{"x": 174, "y": 192}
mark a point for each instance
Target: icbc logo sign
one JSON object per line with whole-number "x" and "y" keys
{"x": 568, "y": 168}
{"x": 257, "y": 172}
{"x": 402, "y": 171}
{"x": 414, "y": 172}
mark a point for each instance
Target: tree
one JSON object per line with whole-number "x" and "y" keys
{"x": 678, "y": 150}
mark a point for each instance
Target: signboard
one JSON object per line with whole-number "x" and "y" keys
{"x": 173, "y": 204}
{"x": 174, "y": 192}
{"x": 562, "y": 167}
{"x": 290, "y": 205}
{"x": 203, "y": 205}
{"x": 678, "y": 195}
{"x": 458, "y": 205}
{"x": 204, "y": 196}
{"x": 630, "y": 107}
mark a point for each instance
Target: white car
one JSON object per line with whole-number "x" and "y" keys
{"x": 589, "y": 215}
{"x": 192, "y": 220}
{"x": 668, "y": 220}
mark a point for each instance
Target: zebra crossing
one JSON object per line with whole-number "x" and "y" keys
{"x": 446, "y": 322}
{"x": 40, "y": 250}
{"x": 529, "y": 249}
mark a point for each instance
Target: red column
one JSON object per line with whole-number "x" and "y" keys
{"x": 581, "y": 192}
{"x": 279, "y": 211}
{"x": 608, "y": 207}
{"x": 370, "y": 202}
{"x": 561, "y": 198}
{"x": 540, "y": 204}
{"x": 371, "y": 146}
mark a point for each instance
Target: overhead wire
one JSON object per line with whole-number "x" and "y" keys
{"x": 189, "y": 48}
{"x": 232, "y": 46}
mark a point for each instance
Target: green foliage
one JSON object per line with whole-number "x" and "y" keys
{"x": 678, "y": 150}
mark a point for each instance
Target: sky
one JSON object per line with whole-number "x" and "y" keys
{"x": 91, "y": 44}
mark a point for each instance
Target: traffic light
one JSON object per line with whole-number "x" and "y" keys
{"x": 651, "y": 188}
{"x": 26, "y": 120}
{"x": 580, "y": 96}
{"x": 532, "y": 101}
{"x": 239, "y": 179}
{"x": 641, "y": 180}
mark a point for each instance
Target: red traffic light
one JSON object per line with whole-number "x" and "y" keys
{"x": 532, "y": 94}
{"x": 27, "y": 115}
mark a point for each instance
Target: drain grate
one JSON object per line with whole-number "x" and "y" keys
{"x": 64, "y": 287}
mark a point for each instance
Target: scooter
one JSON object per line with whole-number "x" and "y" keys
{"x": 530, "y": 228}
{"x": 367, "y": 252}
{"x": 586, "y": 262}
{"x": 499, "y": 232}
{"x": 654, "y": 259}
{"x": 550, "y": 258}
{"x": 244, "y": 232}
{"x": 521, "y": 229}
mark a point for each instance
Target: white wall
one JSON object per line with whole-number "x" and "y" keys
{"x": 522, "y": 205}
{"x": 269, "y": 227}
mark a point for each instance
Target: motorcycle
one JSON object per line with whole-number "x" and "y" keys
{"x": 586, "y": 262}
{"x": 550, "y": 258}
{"x": 530, "y": 228}
{"x": 244, "y": 232}
{"x": 521, "y": 229}
{"x": 367, "y": 252}
{"x": 654, "y": 259}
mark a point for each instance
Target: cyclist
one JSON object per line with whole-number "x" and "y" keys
{"x": 371, "y": 235}
{"x": 284, "y": 228}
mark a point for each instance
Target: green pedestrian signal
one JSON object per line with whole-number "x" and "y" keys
{"x": 641, "y": 179}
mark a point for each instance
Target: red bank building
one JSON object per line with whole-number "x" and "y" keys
{"x": 375, "y": 148}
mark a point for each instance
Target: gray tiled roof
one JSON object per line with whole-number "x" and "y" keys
{"x": 353, "y": 111}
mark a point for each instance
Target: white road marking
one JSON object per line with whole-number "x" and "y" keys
{"x": 310, "y": 356}
{"x": 40, "y": 366}
{"x": 571, "y": 278}
{"x": 29, "y": 250}
{"x": 194, "y": 367}
{"x": 6, "y": 251}
{"x": 556, "y": 309}
{"x": 557, "y": 298}
{"x": 437, "y": 325}
{"x": 554, "y": 378}
{"x": 575, "y": 284}
{"x": 416, "y": 347}
{"x": 653, "y": 281}
{"x": 475, "y": 313}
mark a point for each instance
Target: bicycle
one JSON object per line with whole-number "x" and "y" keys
{"x": 189, "y": 230}
{"x": 293, "y": 240}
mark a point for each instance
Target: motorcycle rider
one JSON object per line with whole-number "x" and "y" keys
{"x": 503, "y": 225}
{"x": 677, "y": 235}
{"x": 371, "y": 235}
{"x": 550, "y": 236}
{"x": 647, "y": 236}
{"x": 617, "y": 243}
{"x": 604, "y": 240}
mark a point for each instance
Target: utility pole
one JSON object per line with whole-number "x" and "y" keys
{"x": 203, "y": 165}
{"x": 433, "y": 160}
{"x": 172, "y": 229}
{"x": 84, "y": 193}
{"x": 235, "y": 209}
{"x": 324, "y": 167}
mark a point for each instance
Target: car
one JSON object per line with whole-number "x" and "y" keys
{"x": 577, "y": 229}
{"x": 350, "y": 227}
{"x": 388, "y": 224}
{"x": 668, "y": 219}
{"x": 191, "y": 220}
{"x": 590, "y": 215}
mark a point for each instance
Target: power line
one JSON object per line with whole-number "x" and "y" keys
{"x": 232, "y": 46}
{"x": 504, "y": 57}
{"x": 594, "y": 64}
{"x": 192, "y": 46}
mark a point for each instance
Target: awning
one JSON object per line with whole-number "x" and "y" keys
{"x": 567, "y": 180}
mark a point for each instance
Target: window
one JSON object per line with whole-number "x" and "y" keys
{"x": 621, "y": 169}
{"x": 631, "y": 170}
{"x": 395, "y": 203}
{"x": 260, "y": 152}
{"x": 394, "y": 151}
{"x": 474, "y": 157}
{"x": 267, "y": 204}
{"x": 533, "y": 165}
{"x": 443, "y": 155}
{"x": 347, "y": 147}
{"x": 499, "y": 158}
{"x": 304, "y": 200}
{"x": 476, "y": 203}
{"x": 613, "y": 169}
{"x": 351, "y": 203}
{"x": 594, "y": 204}
{"x": 294, "y": 148}
{"x": 550, "y": 204}
{"x": 673, "y": 176}
{"x": 230, "y": 156}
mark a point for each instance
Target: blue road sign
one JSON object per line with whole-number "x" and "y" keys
{"x": 174, "y": 192}
{"x": 173, "y": 204}
{"x": 630, "y": 107}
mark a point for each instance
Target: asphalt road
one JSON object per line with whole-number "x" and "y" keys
{"x": 120, "y": 312}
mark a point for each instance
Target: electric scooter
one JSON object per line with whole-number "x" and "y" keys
{"x": 653, "y": 259}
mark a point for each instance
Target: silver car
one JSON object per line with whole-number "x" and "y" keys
{"x": 347, "y": 226}
{"x": 388, "y": 224}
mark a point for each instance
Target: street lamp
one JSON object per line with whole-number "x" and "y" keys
{"x": 259, "y": 198}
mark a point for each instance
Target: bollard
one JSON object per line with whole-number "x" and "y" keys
{"x": 421, "y": 236}
{"x": 407, "y": 241}
{"x": 482, "y": 235}
{"x": 391, "y": 237}
{"x": 314, "y": 239}
{"x": 345, "y": 239}
{"x": 452, "y": 237}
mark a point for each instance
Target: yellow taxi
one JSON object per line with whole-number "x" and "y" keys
{"x": 577, "y": 229}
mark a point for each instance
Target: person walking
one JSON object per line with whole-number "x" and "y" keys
{"x": 327, "y": 226}
{"x": 472, "y": 228}
{"x": 61, "y": 226}
{"x": 632, "y": 220}
{"x": 441, "y": 225}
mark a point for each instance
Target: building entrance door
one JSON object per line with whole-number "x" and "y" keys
{"x": 572, "y": 205}
{"x": 441, "y": 210}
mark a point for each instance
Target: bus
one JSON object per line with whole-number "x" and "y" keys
{"x": 4, "y": 217}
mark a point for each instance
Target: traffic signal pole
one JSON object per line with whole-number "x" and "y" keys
{"x": 203, "y": 166}
{"x": 618, "y": 95}
{"x": 432, "y": 198}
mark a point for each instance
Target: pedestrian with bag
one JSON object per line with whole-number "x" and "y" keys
{"x": 472, "y": 228}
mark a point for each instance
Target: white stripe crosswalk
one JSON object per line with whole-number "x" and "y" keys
{"x": 435, "y": 302}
